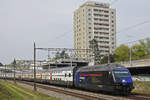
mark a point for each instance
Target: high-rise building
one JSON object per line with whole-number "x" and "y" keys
{"x": 94, "y": 20}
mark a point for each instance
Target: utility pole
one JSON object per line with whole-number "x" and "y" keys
{"x": 5, "y": 72}
{"x": 130, "y": 57}
{"x": 14, "y": 63}
{"x": 71, "y": 58}
{"x": 34, "y": 67}
{"x": 109, "y": 54}
{"x": 48, "y": 55}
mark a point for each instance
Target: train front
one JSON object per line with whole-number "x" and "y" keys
{"x": 123, "y": 81}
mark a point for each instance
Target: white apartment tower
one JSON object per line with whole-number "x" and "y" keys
{"x": 95, "y": 20}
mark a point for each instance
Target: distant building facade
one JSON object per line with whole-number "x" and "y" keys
{"x": 94, "y": 20}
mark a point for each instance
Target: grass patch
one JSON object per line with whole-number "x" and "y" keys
{"x": 141, "y": 87}
{"x": 11, "y": 91}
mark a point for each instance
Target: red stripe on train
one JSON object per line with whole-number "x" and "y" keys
{"x": 91, "y": 75}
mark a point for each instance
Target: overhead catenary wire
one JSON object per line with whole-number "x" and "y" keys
{"x": 63, "y": 34}
{"x": 133, "y": 26}
{"x": 136, "y": 35}
{"x": 134, "y": 41}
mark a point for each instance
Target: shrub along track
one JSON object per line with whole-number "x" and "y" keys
{"x": 11, "y": 91}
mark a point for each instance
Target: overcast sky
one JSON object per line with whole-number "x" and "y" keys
{"x": 50, "y": 24}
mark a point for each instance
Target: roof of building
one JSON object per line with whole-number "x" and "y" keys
{"x": 96, "y": 4}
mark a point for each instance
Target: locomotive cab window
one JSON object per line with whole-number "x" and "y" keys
{"x": 121, "y": 74}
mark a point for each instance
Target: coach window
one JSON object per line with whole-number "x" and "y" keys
{"x": 65, "y": 75}
{"x": 69, "y": 74}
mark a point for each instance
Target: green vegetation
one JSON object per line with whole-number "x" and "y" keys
{"x": 141, "y": 87}
{"x": 122, "y": 53}
{"x": 61, "y": 54}
{"x": 104, "y": 60}
{"x": 139, "y": 51}
{"x": 95, "y": 51}
{"x": 11, "y": 91}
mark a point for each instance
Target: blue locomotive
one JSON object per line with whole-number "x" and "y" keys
{"x": 109, "y": 77}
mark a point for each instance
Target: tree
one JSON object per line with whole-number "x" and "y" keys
{"x": 141, "y": 50}
{"x": 63, "y": 54}
{"x": 122, "y": 53}
{"x": 95, "y": 51}
{"x": 104, "y": 60}
{"x": 148, "y": 45}
{"x": 57, "y": 56}
{"x": 1, "y": 64}
{"x": 137, "y": 52}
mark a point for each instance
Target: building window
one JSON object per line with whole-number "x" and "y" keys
{"x": 95, "y": 18}
{"x": 95, "y": 9}
{"x": 106, "y": 11}
{"x": 89, "y": 27}
{"x": 112, "y": 21}
{"x": 112, "y": 12}
{"x": 89, "y": 9}
{"x": 105, "y": 15}
{"x": 96, "y": 32}
{"x": 89, "y": 18}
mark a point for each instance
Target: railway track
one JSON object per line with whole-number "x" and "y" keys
{"x": 84, "y": 95}
{"x": 139, "y": 97}
{"x": 63, "y": 91}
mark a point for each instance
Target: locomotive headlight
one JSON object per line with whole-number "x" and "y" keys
{"x": 123, "y": 81}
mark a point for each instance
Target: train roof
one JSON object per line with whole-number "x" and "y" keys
{"x": 61, "y": 69}
{"x": 104, "y": 67}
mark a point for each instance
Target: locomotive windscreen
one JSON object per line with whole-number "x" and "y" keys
{"x": 121, "y": 74}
